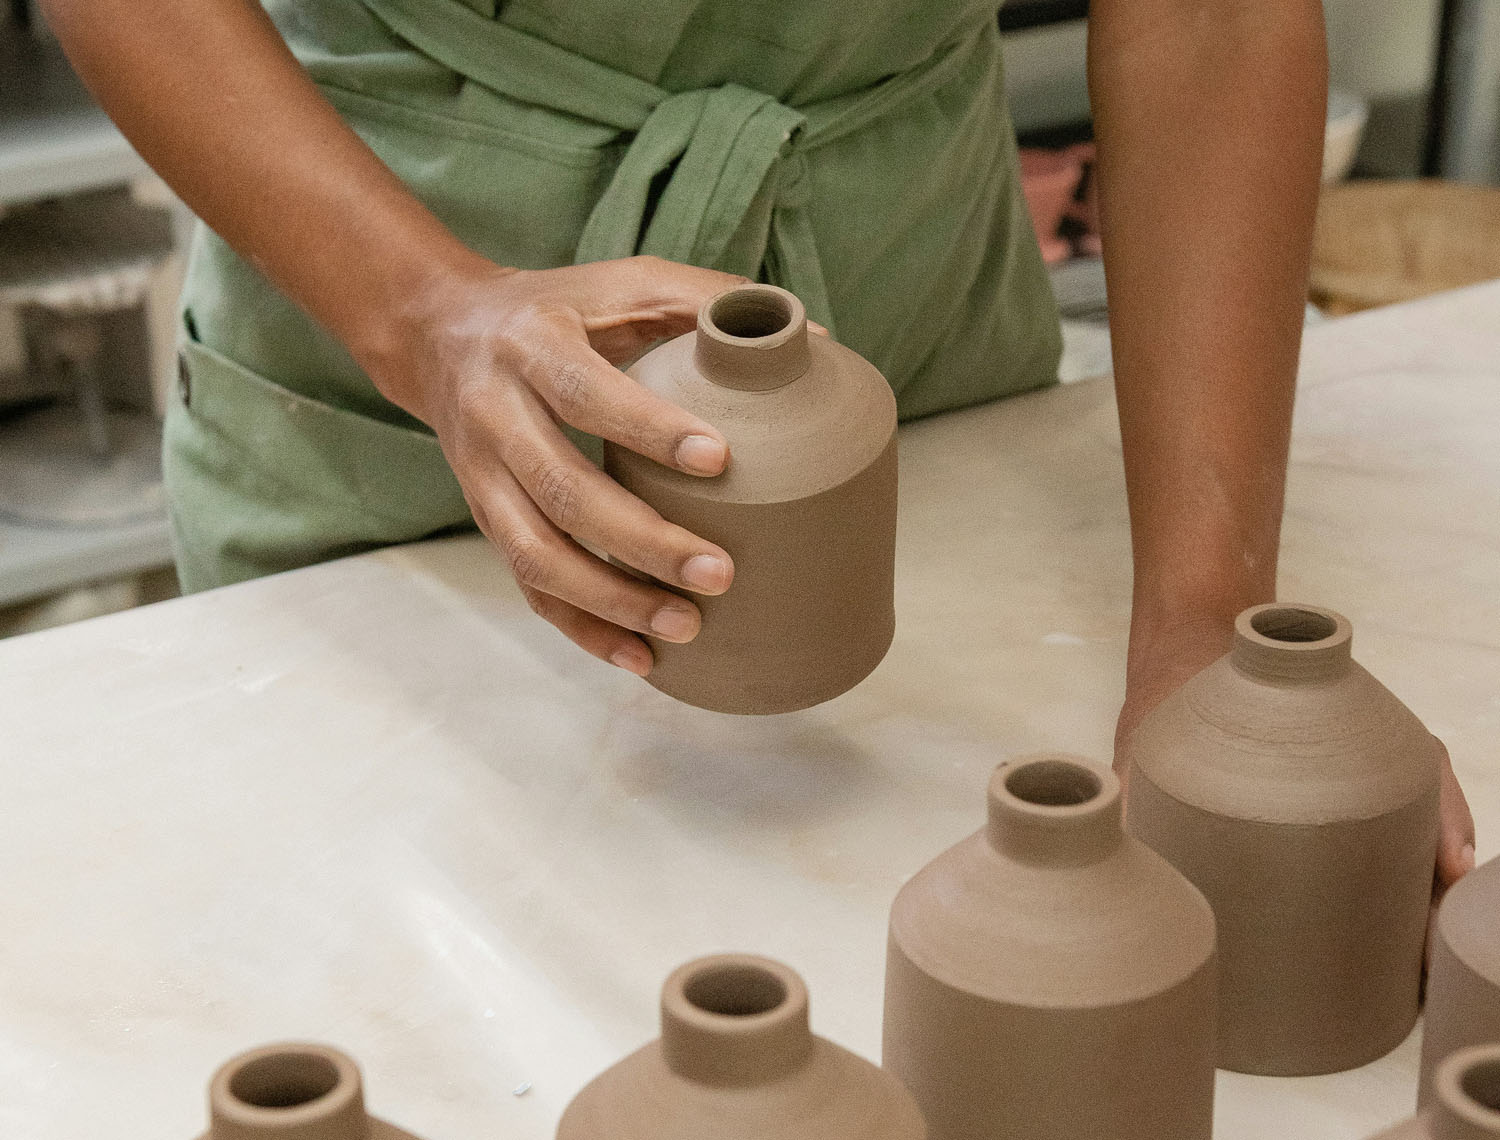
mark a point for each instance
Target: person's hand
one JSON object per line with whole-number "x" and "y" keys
{"x": 494, "y": 360}
{"x": 1161, "y": 660}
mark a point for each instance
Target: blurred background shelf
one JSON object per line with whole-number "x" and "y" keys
{"x": 53, "y": 139}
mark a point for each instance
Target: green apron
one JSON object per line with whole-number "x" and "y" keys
{"x": 857, "y": 152}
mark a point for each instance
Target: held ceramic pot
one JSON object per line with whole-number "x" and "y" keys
{"x": 1463, "y": 977}
{"x": 806, "y": 507}
{"x": 736, "y": 1060}
{"x": 1051, "y": 978}
{"x": 1301, "y": 798}
{"x": 1465, "y": 1101}
{"x": 292, "y": 1091}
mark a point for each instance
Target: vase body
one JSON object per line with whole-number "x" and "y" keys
{"x": 1051, "y": 978}
{"x": 1463, "y": 975}
{"x": 737, "y": 1060}
{"x": 1301, "y": 797}
{"x": 1464, "y": 1102}
{"x": 292, "y": 1091}
{"x": 806, "y": 507}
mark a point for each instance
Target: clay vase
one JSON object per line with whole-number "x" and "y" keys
{"x": 806, "y": 507}
{"x": 1051, "y": 978}
{"x": 292, "y": 1091}
{"x": 1465, "y": 1100}
{"x": 737, "y": 1061}
{"x": 1301, "y": 798}
{"x": 1463, "y": 974}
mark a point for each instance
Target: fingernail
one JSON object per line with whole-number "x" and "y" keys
{"x": 707, "y": 573}
{"x": 701, "y": 454}
{"x": 675, "y": 623}
{"x": 637, "y": 661}
{"x": 1466, "y": 857}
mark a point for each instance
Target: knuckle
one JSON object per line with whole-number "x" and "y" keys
{"x": 559, "y": 494}
{"x": 570, "y": 383}
{"x": 526, "y": 555}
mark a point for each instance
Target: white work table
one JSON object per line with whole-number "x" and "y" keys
{"x": 378, "y": 803}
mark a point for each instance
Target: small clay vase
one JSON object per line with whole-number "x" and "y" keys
{"x": 1465, "y": 1100}
{"x": 1463, "y": 974}
{"x": 292, "y": 1091}
{"x": 737, "y": 1061}
{"x": 1301, "y": 798}
{"x": 806, "y": 507}
{"x": 1051, "y": 978}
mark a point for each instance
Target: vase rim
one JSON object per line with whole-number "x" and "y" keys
{"x": 1292, "y": 641}
{"x": 285, "y": 1085}
{"x": 1467, "y": 1083}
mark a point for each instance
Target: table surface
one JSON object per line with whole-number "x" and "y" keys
{"x": 378, "y": 803}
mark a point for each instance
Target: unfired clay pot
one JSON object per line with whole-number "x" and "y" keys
{"x": 737, "y": 1061}
{"x": 806, "y": 507}
{"x": 1465, "y": 1101}
{"x": 1051, "y": 978}
{"x": 1463, "y": 978}
{"x": 1301, "y": 798}
{"x": 292, "y": 1091}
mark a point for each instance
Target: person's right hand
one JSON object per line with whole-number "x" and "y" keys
{"x": 493, "y": 361}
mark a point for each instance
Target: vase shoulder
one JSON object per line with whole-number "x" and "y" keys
{"x": 1286, "y": 752}
{"x": 800, "y": 439}
{"x": 1121, "y": 929}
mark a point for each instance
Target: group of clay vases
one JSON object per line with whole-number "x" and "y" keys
{"x": 1051, "y": 977}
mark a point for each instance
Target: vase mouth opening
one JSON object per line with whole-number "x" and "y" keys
{"x": 1053, "y": 783}
{"x": 1291, "y": 642}
{"x": 734, "y": 1019}
{"x": 284, "y": 1080}
{"x": 285, "y": 1085}
{"x": 1468, "y": 1086}
{"x": 1294, "y": 625}
{"x": 735, "y": 990}
{"x": 753, "y": 338}
{"x": 1054, "y": 808}
{"x": 752, "y": 312}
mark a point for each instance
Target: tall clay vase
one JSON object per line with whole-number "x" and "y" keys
{"x": 737, "y": 1061}
{"x": 1051, "y": 978}
{"x": 806, "y": 507}
{"x": 1463, "y": 978}
{"x": 292, "y": 1091}
{"x": 1464, "y": 1103}
{"x": 1301, "y": 798}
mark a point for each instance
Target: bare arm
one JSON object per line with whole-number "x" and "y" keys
{"x": 209, "y": 94}
{"x": 1209, "y": 116}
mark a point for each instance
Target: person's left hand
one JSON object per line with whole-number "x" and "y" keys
{"x": 1162, "y": 660}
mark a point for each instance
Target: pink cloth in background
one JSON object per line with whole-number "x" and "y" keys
{"x": 1051, "y": 182}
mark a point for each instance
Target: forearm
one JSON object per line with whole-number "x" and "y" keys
{"x": 1209, "y": 118}
{"x": 211, "y": 97}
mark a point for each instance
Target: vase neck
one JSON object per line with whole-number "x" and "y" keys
{"x": 1053, "y": 809}
{"x": 1285, "y": 642}
{"x": 752, "y": 338}
{"x": 1466, "y": 1105}
{"x": 310, "y": 1092}
{"x": 734, "y": 1020}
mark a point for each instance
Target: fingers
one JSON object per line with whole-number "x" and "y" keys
{"x": 584, "y": 390}
{"x": 1455, "y": 855}
{"x": 593, "y": 634}
{"x": 579, "y": 500}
